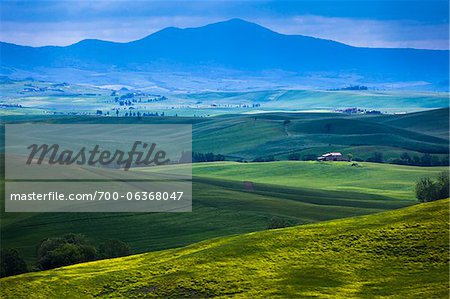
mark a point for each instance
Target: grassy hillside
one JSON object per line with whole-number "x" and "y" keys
{"x": 396, "y": 254}
{"x": 300, "y": 192}
{"x": 280, "y": 134}
{"x": 220, "y": 207}
{"x": 373, "y": 178}
{"x": 434, "y": 122}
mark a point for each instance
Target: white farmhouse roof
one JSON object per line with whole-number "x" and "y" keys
{"x": 331, "y": 154}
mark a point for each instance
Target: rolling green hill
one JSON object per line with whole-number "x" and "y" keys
{"x": 280, "y": 134}
{"x": 300, "y": 192}
{"x": 396, "y": 254}
{"x": 434, "y": 122}
{"x": 395, "y": 181}
{"x": 219, "y": 208}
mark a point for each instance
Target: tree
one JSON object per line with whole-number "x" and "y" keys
{"x": 435, "y": 161}
{"x": 277, "y": 222}
{"x": 310, "y": 157}
{"x": 416, "y": 160}
{"x": 376, "y": 157}
{"x": 443, "y": 184}
{"x": 186, "y": 157}
{"x": 428, "y": 190}
{"x": 67, "y": 250}
{"x": 350, "y": 157}
{"x": 11, "y": 263}
{"x": 264, "y": 159}
{"x": 426, "y": 160}
{"x": 406, "y": 158}
{"x": 294, "y": 156}
{"x": 113, "y": 248}
{"x": 208, "y": 157}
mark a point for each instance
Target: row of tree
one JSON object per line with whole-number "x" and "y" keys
{"x": 424, "y": 160}
{"x": 131, "y": 113}
{"x": 378, "y": 157}
{"x": 61, "y": 251}
{"x": 264, "y": 159}
{"x": 207, "y": 157}
{"x": 298, "y": 157}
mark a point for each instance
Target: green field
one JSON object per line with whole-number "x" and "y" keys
{"x": 300, "y": 192}
{"x": 296, "y": 191}
{"x": 248, "y": 137}
{"x": 396, "y": 254}
{"x": 394, "y": 181}
{"x": 281, "y": 134}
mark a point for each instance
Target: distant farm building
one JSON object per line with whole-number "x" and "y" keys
{"x": 351, "y": 110}
{"x": 374, "y": 112}
{"x": 332, "y": 157}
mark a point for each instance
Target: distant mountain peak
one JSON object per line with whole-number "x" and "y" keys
{"x": 237, "y": 24}
{"x": 236, "y": 21}
{"x": 222, "y": 29}
{"x": 236, "y": 46}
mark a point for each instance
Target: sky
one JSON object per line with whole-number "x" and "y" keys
{"x": 383, "y": 23}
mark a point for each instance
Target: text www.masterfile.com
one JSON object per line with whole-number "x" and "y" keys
{"x": 98, "y": 196}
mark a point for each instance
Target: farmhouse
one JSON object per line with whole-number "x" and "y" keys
{"x": 332, "y": 157}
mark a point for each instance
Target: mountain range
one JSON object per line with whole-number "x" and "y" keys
{"x": 233, "y": 49}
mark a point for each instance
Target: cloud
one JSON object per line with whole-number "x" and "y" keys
{"x": 71, "y": 10}
{"x": 68, "y": 32}
{"x": 365, "y": 33}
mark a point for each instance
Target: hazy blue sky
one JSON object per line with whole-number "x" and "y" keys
{"x": 417, "y": 24}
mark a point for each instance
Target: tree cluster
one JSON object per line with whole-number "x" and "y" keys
{"x": 278, "y": 222}
{"x": 264, "y": 159}
{"x": 424, "y": 160}
{"x": 62, "y": 251}
{"x": 429, "y": 190}
{"x": 207, "y": 157}
{"x": 11, "y": 263}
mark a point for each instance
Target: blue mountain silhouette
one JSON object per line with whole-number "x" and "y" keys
{"x": 236, "y": 45}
